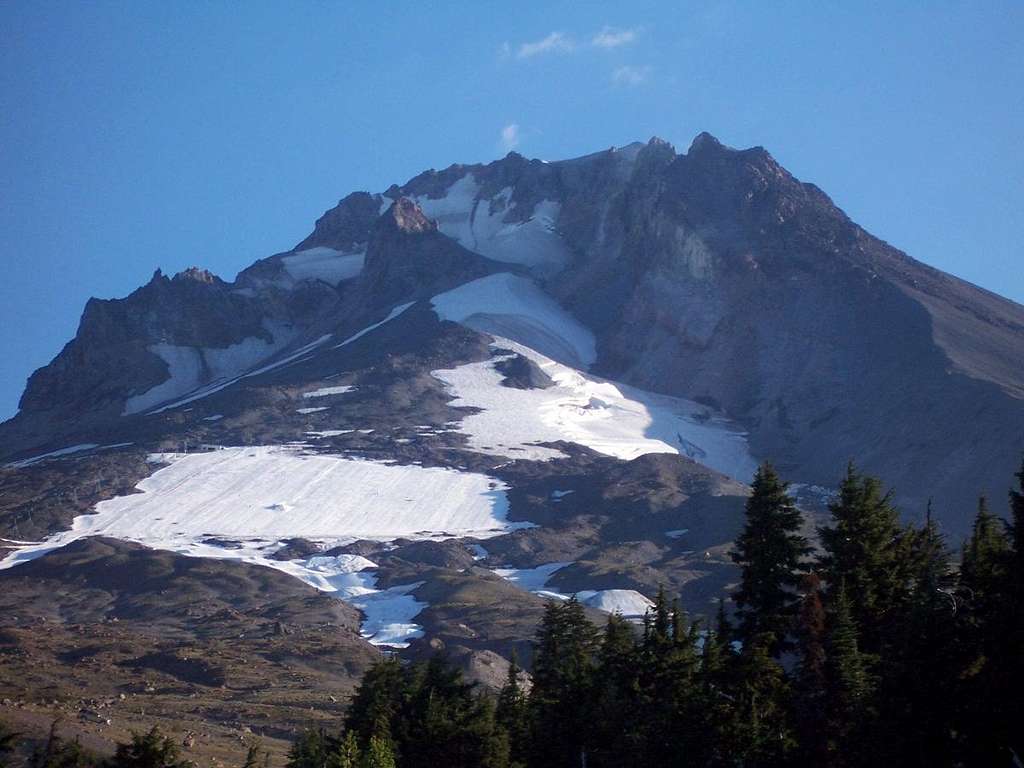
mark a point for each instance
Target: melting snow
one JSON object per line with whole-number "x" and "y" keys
{"x": 311, "y": 410}
{"x": 514, "y": 307}
{"x": 611, "y": 418}
{"x": 325, "y": 391}
{"x": 479, "y": 225}
{"x": 234, "y": 492}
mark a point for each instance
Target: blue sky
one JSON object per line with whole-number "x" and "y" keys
{"x": 136, "y": 135}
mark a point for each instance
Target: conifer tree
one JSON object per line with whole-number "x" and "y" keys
{"x": 513, "y": 713}
{"x": 850, "y": 688}
{"x": 563, "y": 676}
{"x": 379, "y": 753}
{"x": 862, "y": 552}
{"x": 810, "y": 682}
{"x": 347, "y": 754}
{"x": 769, "y": 552}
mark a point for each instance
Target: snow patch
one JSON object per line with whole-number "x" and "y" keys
{"x": 514, "y": 307}
{"x": 484, "y": 225}
{"x": 322, "y": 263}
{"x": 305, "y": 411}
{"x": 610, "y": 418}
{"x": 327, "y": 391}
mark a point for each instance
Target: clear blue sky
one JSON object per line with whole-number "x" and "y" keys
{"x": 135, "y": 135}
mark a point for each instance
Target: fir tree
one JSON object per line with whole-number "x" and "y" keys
{"x": 862, "y": 552}
{"x": 769, "y": 552}
{"x": 513, "y": 712}
{"x": 347, "y": 753}
{"x": 810, "y": 683}
{"x": 309, "y": 750}
{"x": 849, "y": 691}
{"x": 149, "y": 750}
{"x": 379, "y": 753}
{"x": 563, "y": 676}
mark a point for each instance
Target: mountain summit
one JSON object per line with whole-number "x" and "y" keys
{"x": 713, "y": 276}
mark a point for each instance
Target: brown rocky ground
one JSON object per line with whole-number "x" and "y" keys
{"x": 112, "y": 637}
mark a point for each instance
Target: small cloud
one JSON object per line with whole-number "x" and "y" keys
{"x": 509, "y": 137}
{"x": 556, "y": 42}
{"x": 630, "y": 76}
{"x": 505, "y": 51}
{"x": 612, "y": 37}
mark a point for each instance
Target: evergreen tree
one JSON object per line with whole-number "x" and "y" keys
{"x": 310, "y": 750}
{"x": 761, "y": 734}
{"x": 563, "y": 676}
{"x": 513, "y": 712}
{"x": 849, "y": 684}
{"x": 810, "y": 683}
{"x": 862, "y": 551}
{"x": 347, "y": 754}
{"x": 769, "y": 552}
{"x": 1011, "y": 656}
{"x": 379, "y": 753}
{"x": 149, "y": 750}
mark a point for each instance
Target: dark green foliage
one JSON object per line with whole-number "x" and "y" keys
{"x": 423, "y": 716}
{"x": 149, "y": 750}
{"x": 862, "y": 552}
{"x": 769, "y": 552}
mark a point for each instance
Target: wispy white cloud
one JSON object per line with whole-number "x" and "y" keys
{"x": 556, "y": 42}
{"x": 630, "y": 76}
{"x": 509, "y": 137}
{"x": 613, "y": 37}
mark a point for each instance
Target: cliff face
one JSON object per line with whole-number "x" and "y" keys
{"x": 713, "y": 275}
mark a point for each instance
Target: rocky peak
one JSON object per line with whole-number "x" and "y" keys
{"x": 406, "y": 216}
{"x": 196, "y": 275}
{"x": 347, "y": 225}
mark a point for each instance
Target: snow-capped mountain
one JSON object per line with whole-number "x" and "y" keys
{"x": 497, "y": 383}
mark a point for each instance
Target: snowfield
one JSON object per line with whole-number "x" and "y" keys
{"x": 255, "y": 497}
{"x": 479, "y": 224}
{"x": 613, "y": 419}
{"x": 514, "y": 307}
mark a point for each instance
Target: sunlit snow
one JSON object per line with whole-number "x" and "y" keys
{"x": 611, "y": 418}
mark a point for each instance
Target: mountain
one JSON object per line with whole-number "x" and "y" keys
{"x": 498, "y": 383}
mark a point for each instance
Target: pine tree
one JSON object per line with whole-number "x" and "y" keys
{"x": 919, "y": 672}
{"x": 347, "y": 754}
{"x": 769, "y": 552}
{"x": 810, "y": 683}
{"x": 513, "y": 712}
{"x": 761, "y": 734}
{"x": 379, "y": 754}
{"x": 862, "y": 551}
{"x": 563, "y": 677}
{"x": 309, "y": 750}
{"x": 1011, "y": 661}
{"x": 850, "y": 687}
{"x": 149, "y": 750}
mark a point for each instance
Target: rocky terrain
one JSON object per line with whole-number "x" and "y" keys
{"x": 491, "y": 386}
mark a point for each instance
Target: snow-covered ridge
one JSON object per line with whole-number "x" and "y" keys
{"x": 479, "y": 224}
{"x": 611, "y": 418}
{"x": 514, "y": 307}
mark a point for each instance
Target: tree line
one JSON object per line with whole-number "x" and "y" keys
{"x": 878, "y": 647}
